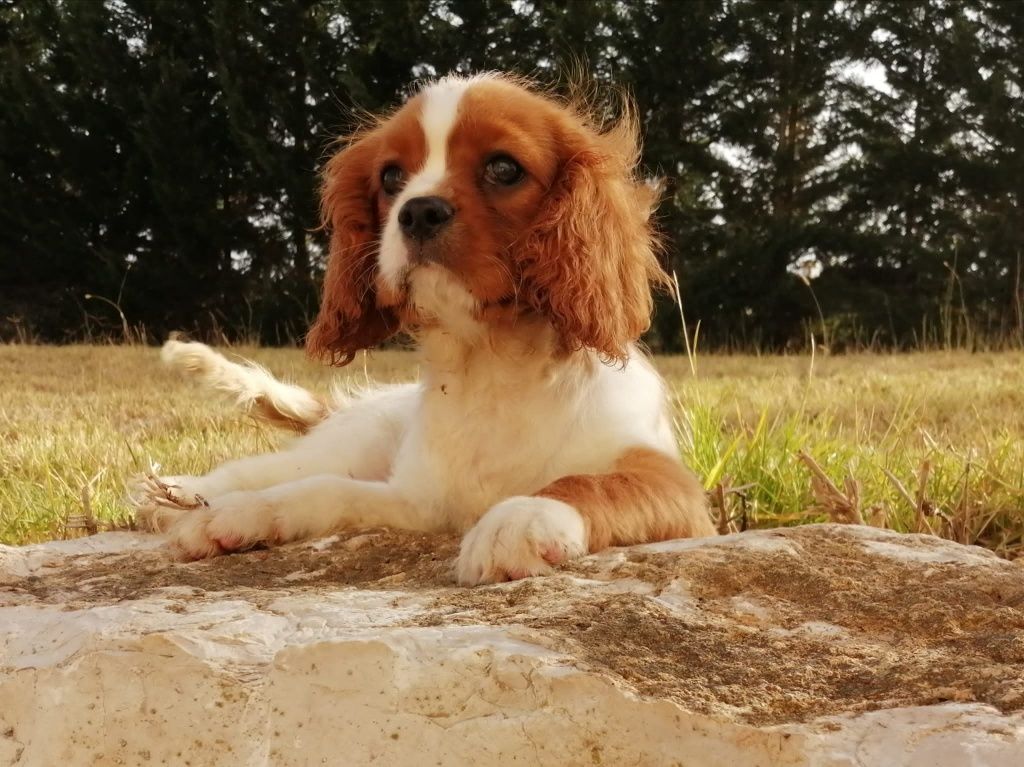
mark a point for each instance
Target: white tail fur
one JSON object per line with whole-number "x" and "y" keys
{"x": 252, "y": 386}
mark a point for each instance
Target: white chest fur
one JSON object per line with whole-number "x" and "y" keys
{"x": 496, "y": 422}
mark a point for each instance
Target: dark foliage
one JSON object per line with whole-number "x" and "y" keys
{"x": 162, "y": 155}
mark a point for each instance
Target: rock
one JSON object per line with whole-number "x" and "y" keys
{"x": 817, "y": 645}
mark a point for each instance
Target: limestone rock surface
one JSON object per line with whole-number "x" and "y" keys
{"x": 819, "y": 645}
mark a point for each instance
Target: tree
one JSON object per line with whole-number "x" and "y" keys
{"x": 163, "y": 156}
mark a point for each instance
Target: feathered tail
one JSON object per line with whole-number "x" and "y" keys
{"x": 253, "y": 388}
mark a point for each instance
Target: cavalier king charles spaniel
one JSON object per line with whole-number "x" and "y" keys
{"x": 508, "y": 233}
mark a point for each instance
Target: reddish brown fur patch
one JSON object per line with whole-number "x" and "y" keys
{"x": 352, "y": 208}
{"x": 648, "y": 496}
{"x": 575, "y": 234}
{"x": 264, "y": 409}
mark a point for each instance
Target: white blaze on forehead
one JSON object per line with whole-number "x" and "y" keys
{"x": 440, "y": 108}
{"x": 438, "y": 115}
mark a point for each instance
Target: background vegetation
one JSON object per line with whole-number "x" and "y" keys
{"x": 158, "y": 157}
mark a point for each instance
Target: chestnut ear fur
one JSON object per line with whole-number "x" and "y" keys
{"x": 349, "y": 318}
{"x": 590, "y": 259}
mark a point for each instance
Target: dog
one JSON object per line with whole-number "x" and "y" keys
{"x": 507, "y": 231}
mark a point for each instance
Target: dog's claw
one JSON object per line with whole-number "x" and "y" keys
{"x": 156, "y": 501}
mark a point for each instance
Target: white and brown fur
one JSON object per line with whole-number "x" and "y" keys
{"x": 537, "y": 429}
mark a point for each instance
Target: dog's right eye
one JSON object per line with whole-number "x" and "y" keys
{"x": 391, "y": 180}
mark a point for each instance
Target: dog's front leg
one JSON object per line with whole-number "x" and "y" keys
{"x": 647, "y": 496}
{"x": 250, "y": 473}
{"x": 306, "y": 508}
{"x": 161, "y": 503}
{"x": 358, "y": 443}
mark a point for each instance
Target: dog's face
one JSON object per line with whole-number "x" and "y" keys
{"x": 478, "y": 201}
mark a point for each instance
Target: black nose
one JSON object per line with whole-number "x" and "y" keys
{"x": 424, "y": 217}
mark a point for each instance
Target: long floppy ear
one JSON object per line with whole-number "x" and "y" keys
{"x": 350, "y": 319}
{"x": 590, "y": 260}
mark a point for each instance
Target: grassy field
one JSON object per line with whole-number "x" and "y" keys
{"x": 927, "y": 442}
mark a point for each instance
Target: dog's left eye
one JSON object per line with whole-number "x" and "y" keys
{"x": 502, "y": 170}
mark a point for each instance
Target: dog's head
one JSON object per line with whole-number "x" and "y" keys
{"x": 483, "y": 199}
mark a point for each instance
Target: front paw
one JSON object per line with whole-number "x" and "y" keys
{"x": 160, "y": 501}
{"x": 520, "y": 537}
{"x": 233, "y": 522}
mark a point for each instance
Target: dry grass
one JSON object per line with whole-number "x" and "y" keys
{"x": 927, "y": 442}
